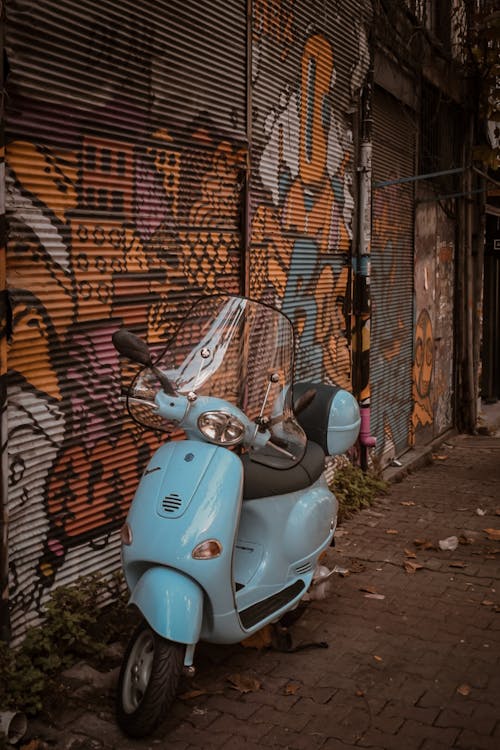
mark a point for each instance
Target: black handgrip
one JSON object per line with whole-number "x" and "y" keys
{"x": 134, "y": 348}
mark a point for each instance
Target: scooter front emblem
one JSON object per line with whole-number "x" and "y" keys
{"x": 189, "y": 457}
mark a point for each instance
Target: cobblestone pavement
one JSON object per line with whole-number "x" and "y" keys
{"x": 413, "y": 637}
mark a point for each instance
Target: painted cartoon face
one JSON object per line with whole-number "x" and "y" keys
{"x": 424, "y": 353}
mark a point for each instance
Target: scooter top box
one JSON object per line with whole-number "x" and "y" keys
{"x": 332, "y": 419}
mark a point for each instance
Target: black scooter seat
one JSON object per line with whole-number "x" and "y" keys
{"x": 262, "y": 481}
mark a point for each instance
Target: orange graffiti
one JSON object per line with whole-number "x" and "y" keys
{"x": 423, "y": 364}
{"x": 274, "y": 19}
{"x": 317, "y": 69}
{"x": 47, "y": 173}
{"x": 167, "y": 160}
{"x": 271, "y": 252}
{"x": 107, "y": 176}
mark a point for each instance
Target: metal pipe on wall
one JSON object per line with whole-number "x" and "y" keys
{"x": 362, "y": 307}
{"x": 468, "y": 380}
{"x": 471, "y": 414}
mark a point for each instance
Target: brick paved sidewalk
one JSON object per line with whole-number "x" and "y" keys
{"x": 413, "y": 633}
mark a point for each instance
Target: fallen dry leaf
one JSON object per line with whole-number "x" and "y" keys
{"x": 261, "y": 639}
{"x": 377, "y": 658}
{"x": 487, "y": 603}
{"x": 369, "y": 589}
{"x": 463, "y": 539}
{"x": 359, "y": 694}
{"x": 407, "y": 503}
{"x": 374, "y": 596}
{"x": 424, "y": 543}
{"x": 493, "y": 534}
{"x": 244, "y": 683}
{"x": 497, "y": 512}
{"x": 411, "y": 567}
{"x": 291, "y": 688}
{"x": 457, "y": 564}
{"x": 464, "y": 689}
{"x": 391, "y": 531}
{"x": 440, "y": 456}
{"x": 409, "y": 553}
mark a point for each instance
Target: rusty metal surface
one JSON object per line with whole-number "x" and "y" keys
{"x": 392, "y": 277}
{"x": 307, "y": 69}
{"x": 124, "y": 153}
{"x": 432, "y": 412}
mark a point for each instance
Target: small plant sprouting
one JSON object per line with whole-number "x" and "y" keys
{"x": 355, "y": 489}
{"x": 74, "y": 627}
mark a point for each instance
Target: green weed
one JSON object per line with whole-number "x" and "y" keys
{"x": 77, "y": 625}
{"x": 355, "y": 489}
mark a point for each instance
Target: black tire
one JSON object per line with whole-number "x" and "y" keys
{"x": 148, "y": 681}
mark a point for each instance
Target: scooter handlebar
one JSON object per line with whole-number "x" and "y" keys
{"x": 134, "y": 348}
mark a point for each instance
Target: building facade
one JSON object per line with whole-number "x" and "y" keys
{"x": 158, "y": 151}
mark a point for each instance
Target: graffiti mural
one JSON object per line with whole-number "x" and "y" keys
{"x": 432, "y": 375}
{"x": 302, "y": 223}
{"x": 126, "y": 158}
{"x": 114, "y": 218}
{"x": 423, "y": 362}
{"x": 71, "y": 288}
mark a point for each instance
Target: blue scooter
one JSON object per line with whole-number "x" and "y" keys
{"x": 226, "y": 527}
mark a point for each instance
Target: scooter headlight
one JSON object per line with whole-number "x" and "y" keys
{"x": 221, "y": 428}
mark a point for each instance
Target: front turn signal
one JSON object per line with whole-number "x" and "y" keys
{"x": 207, "y": 550}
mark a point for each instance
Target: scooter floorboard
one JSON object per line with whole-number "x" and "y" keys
{"x": 251, "y": 616}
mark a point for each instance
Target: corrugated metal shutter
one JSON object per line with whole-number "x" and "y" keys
{"x": 126, "y": 132}
{"x": 308, "y": 65}
{"x": 433, "y": 347}
{"x": 392, "y": 276}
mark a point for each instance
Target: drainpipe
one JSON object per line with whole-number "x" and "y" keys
{"x": 362, "y": 308}
{"x": 470, "y": 415}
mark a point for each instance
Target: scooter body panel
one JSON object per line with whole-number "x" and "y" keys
{"x": 171, "y": 602}
{"x": 273, "y": 570}
{"x": 202, "y": 483}
{"x": 265, "y": 561}
{"x": 191, "y": 492}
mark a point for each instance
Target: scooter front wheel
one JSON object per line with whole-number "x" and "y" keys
{"x": 148, "y": 681}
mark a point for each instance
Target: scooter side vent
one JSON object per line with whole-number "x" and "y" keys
{"x": 304, "y": 568}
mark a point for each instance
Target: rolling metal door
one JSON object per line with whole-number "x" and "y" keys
{"x": 125, "y": 144}
{"x": 392, "y": 276}
{"x": 309, "y": 60}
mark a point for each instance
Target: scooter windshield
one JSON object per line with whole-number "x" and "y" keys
{"x": 240, "y": 351}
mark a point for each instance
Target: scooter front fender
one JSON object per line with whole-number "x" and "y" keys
{"x": 171, "y": 602}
